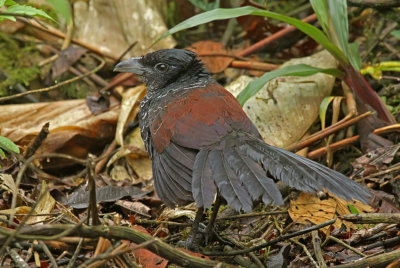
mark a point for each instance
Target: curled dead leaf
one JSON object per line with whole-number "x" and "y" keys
{"x": 213, "y": 54}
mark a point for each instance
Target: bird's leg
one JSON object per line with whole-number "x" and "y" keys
{"x": 191, "y": 242}
{"x": 209, "y": 229}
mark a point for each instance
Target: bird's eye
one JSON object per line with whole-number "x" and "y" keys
{"x": 161, "y": 67}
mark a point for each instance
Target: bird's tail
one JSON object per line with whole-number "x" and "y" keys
{"x": 239, "y": 173}
{"x": 302, "y": 173}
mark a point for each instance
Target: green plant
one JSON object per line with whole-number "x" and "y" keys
{"x": 12, "y": 10}
{"x": 332, "y": 15}
{"x": 8, "y": 146}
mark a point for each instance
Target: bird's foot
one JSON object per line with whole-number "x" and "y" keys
{"x": 195, "y": 239}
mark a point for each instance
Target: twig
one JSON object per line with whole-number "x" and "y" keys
{"x": 317, "y": 249}
{"x": 90, "y": 165}
{"x": 346, "y": 245}
{"x": 125, "y": 233}
{"x": 76, "y": 253}
{"x": 327, "y": 131}
{"x": 125, "y": 52}
{"x": 346, "y": 142}
{"x": 273, "y": 37}
{"x": 306, "y": 251}
{"x": 46, "y": 89}
{"x": 375, "y": 261}
{"x": 19, "y": 261}
{"x": 383, "y": 243}
{"x": 59, "y": 34}
{"x": 254, "y": 65}
{"x": 171, "y": 223}
{"x": 35, "y": 144}
{"x": 48, "y": 253}
{"x": 272, "y": 242}
{"x": 14, "y": 234}
{"x": 248, "y": 215}
{"x": 367, "y": 218}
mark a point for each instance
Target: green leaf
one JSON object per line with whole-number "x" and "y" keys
{"x": 10, "y": 3}
{"x": 7, "y": 18}
{"x": 8, "y": 145}
{"x": 2, "y": 155}
{"x": 2, "y": 2}
{"x": 396, "y": 33}
{"x": 228, "y": 13}
{"x": 354, "y": 56}
{"x": 322, "y": 109}
{"x": 28, "y": 10}
{"x": 62, "y": 7}
{"x": 353, "y": 209}
{"x": 297, "y": 70}
{"x": 321, "y": 10}
{"x": 338, "y": 12}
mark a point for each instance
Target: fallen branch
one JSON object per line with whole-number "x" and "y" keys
{"x": 43, "y": 232}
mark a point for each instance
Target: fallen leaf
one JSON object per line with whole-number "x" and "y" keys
{"x": 142, "y": 167}
{"x": 17, "y": 210}
{"x": 137, "y": 207}
{"x": 80, "y": 198}
{"x": 309, "y": 208}
{"x": 129, "y": 109}
{"x": 212, "y": 54}
{"x": 73, "y": 128}
{"x": 147, "y": 258}
{"x": 46, "y": 205}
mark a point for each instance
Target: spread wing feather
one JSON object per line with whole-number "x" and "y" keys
{"x": 229, "y": 185}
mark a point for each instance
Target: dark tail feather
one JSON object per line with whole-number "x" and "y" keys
{"x": 253, "y": 177}
{"x": 229, "y": 185}
{"x": 203, "y": 187}
{"x": 304, "y": 174}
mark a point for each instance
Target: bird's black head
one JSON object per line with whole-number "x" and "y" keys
{"x": 164, "y": 67}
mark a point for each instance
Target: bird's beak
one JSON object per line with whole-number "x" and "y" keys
{"x": 131, "y": 65}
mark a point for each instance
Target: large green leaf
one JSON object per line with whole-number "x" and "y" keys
{"x": 321, "y": 10}
{"x": 338, "y": 12}
{"x": 28, "y": 10}
{"x": 228, "y": 13}
{"x": 297, "y": 70}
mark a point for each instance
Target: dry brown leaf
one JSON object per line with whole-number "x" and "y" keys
{"x": 17, "y": 210}
{"x": 210, "y": 53}
{"x": 145, "y": 257}
{"x": 142, "y": 167}
{"x": 119, "y": 173}
{"x": 45, "y": 205}
{"x": 137, "y": 207}
{"x": 129, "y": 110}
{"x": 143, "y": 22}
{"x": 73, "y": 128}
{"x": 309, "y": 208}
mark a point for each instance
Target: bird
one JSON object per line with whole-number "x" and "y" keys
{"x": 204, "y": 147}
